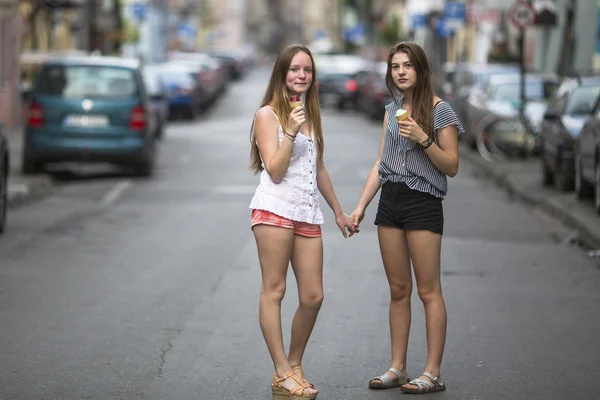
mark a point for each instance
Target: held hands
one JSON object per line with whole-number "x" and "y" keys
{"x": 297, "y": 118}
{"x": 346, "y": 224}
{"x": 357, "y": 217}
{"x": 410, "y": 130}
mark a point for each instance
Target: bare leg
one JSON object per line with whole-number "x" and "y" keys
{"x": 394, "y": 252}
{"x": 275, "y": 246}
{"x": 425, "y": 251}
{"x": 307, "y": 263}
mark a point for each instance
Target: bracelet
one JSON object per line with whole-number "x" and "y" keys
{"x": 291, "y": 137}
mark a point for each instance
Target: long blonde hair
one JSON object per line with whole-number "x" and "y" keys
{"x": 423, "y": 90}
{"x": 277, "y": 95}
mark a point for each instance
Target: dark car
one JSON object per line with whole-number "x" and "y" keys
{"x": 89, "y": 109}
{"x": 373, "y": 94}
{"x": 339, "y": 77}
{"x": 4, "y": 165}
{"x": 158, "y": 99}
{"x": 568, "y": 111}
{"x": 184, "y": 94}
{"x": 587, "y": 159}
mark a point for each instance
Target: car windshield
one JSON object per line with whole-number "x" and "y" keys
{"x": 178, "y": 77}
{"x": 87, "y": 81}
{"x": 582, "y": 100}
{"x": 534, "y": 91}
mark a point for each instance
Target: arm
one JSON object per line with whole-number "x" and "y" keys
{"x": 276, "y": 157}
{"x": 373, "y": 183}
{"x": 325, "y": 186}
{"x": 445, "y": 155}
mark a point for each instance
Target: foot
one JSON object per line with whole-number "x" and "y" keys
{"x": 292, "y": 383}
{"x": 299, "y": 372}
{"x": 392, "y": 378}
{"x": 430, "y": 383}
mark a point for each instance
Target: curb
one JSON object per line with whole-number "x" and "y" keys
{"x": 501, "y": 178}
{"x": 22, "y": 190}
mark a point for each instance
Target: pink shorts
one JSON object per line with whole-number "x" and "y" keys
{"x": 300, "y": 228}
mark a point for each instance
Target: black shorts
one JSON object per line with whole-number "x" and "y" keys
{"x": 404, "y": 208}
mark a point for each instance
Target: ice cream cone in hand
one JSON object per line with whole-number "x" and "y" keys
{"x": 401, "y": 115}
{"x": 295, "y": 101}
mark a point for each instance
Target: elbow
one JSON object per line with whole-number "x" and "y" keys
{"x": 275, "y": 176}
{"x": 453, "y": 171}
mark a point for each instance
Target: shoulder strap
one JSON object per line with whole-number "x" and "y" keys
{"x": 436, "y": 104}
{"x": 274, "y": 113}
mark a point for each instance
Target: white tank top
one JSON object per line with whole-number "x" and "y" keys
{"x": 296, "y": 197}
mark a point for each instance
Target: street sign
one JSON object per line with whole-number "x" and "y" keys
{"x": 521, "y": 14}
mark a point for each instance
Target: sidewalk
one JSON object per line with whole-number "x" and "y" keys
{"x": 20, "y": 187}
{"x": 522, "y": 178}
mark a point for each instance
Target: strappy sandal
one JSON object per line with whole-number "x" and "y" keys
{"x": 281, "y": 393}
{"x": 435, "y": 384}
{"x": 300, "y": 373}
{"x": 387, "y": 382}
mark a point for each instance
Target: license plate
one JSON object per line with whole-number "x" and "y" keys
{"x": 92, "y": 121}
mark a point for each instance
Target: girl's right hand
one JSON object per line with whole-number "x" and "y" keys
{"x": 297, "y": 118}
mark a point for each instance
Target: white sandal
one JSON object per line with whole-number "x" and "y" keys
{"x": 387, "y": 382}
{"x": 435, "y": 384}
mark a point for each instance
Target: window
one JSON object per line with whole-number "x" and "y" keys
{"x": 76, "y": 81}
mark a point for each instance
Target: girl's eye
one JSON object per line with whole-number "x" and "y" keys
{"x": 294, "y": 69}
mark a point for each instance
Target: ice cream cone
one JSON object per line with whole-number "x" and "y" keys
{"x": 401, "y": 115}
{"x": 295, "y": 101}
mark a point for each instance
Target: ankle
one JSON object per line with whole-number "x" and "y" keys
{"x": 433, "y": 371}
{"x": 281, "y": 370}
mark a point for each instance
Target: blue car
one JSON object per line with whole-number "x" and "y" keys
{"x": 89, "y": 109}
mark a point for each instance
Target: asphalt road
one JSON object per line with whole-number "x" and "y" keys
{"x": 123, "y": 288}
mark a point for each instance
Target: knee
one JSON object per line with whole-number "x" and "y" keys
{"x": 400, "y": 291}
{"x": 273, "y": 294}
{"x": 312, "y": 301}
{"x": 429, "y": 294}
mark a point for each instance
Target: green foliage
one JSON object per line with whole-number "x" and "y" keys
{"x": 391, "y": 32}
{"x": 131, "y": 32}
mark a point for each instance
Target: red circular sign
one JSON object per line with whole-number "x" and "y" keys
{"x": 521, "y": 14}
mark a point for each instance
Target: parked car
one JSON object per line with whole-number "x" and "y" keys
{"x": 89, "y": 109}
{"x": 568, "y": 111}
{"x": 373, "y": 94}
{"x": 158, "y": 99}
{"x": 338, "y": 79}
{"x": 184, "y": 94}
{"x": 4, "y": 166}
{"x": 587, "y": 159}
{"x": 500, "y": 98}
{"x": 465, "y": 77}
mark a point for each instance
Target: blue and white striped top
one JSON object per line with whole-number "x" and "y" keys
{"x": 403, "y": 160}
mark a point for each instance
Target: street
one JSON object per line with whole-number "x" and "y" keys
{"x": 116, "y": 287}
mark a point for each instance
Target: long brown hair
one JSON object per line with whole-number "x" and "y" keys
{"x": 277, "y": 95}
{"x": 422, "y": 91}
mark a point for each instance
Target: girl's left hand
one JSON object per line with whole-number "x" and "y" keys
{"x": 346, "y": 225}
{"x": 410, "y": 130}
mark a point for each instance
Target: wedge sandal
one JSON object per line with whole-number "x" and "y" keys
{"x": 435, "y": 384}
{"x": 281, "y": 393}
{"x": 299, "y": 371}
{"x": 388, "y": 383}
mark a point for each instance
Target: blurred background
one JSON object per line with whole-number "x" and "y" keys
{"x": 521, "y": 74}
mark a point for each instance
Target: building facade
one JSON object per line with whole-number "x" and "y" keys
{"x": 10, "y": 38}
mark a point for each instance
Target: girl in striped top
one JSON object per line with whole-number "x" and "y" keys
{"x": 415, "y": 157}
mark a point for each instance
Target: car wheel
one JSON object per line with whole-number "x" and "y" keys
{"x": 597, "y": 187}
{"x": 583, "y": 189}
{"x": 30, "y": 167}
{"x": 561, "y": 180}
{"x": 3, "y": 201}
{"x": 547, "y": 175}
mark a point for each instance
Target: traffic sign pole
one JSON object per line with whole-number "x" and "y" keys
{"x": 522, "y": 15}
